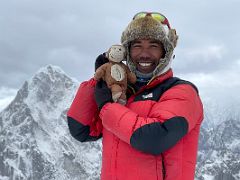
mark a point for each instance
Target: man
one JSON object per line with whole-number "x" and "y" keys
{"x": 155, "y": 135}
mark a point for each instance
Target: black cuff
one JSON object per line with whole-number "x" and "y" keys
{"x": 80, "y": 131}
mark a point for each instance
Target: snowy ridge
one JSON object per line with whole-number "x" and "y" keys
{"x": 50, "y": 70}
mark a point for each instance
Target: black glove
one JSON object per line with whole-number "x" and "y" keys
{"x": 102, "y": 94}
{"x": 101, "y": 59}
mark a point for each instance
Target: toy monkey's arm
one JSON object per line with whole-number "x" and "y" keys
{"x": 100, "y": 72}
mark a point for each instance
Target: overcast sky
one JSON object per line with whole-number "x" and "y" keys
{"x": 70, "y": 34}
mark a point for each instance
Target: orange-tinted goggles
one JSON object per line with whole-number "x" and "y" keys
{"x": 155, "y": 15}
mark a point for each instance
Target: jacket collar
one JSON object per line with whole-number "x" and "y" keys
{"x": 159, "y": 79}
{"x": 153, "y": 82}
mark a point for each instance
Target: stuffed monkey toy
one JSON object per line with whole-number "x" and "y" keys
{"x": 116, "y": 74}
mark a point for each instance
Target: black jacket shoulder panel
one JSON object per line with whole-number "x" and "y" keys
{"x": 156, "y": 92}
{"x": 181, "y": 81}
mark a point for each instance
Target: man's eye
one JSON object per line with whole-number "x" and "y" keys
{"x": 155, "y": 45}
{"x": 136, "y": 46}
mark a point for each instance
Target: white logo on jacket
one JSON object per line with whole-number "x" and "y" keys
{"x": 150, "y": 95}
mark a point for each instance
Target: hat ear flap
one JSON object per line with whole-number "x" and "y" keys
{"x": 173, "y": 37}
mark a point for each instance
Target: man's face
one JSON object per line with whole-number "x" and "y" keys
{"x": 146, "y": 54}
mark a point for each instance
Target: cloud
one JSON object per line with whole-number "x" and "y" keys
{"x": 206, "y": 54}
{"x": 221, "y": 86}
{"x": 201, "y": 59}
{"x": 68, "y": 34}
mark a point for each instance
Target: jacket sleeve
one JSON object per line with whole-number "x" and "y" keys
{"x": 83, "y": 120}
{"x": 172, "y": 117}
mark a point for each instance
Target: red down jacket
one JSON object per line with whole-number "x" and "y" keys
{"x": 153, "y": 137}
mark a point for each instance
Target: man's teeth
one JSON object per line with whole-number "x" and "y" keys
{"x": 145, "y": 64}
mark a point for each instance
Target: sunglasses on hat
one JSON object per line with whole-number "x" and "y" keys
{"x": 155, "y": 15}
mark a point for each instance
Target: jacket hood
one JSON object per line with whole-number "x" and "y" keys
{"x": 149, "y": 28}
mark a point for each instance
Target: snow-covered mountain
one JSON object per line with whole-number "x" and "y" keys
{"x": 219, "y": 148}
{"x": 35, "y": 143}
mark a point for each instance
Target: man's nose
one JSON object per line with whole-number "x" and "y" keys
{"x": 145, "y": 53}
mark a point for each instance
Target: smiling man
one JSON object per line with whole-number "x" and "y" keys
{"x": 145, "y": 54}
{"x": 155, "y": 135}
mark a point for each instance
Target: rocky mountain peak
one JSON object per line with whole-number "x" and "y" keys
{"x": 35, "y": 142}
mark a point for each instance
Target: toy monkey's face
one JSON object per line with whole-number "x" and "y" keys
{"x": 116, "y": 53}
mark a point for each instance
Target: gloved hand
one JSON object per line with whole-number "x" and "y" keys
{"x": 102, "y": 94}
{"x": 101, "y": 59}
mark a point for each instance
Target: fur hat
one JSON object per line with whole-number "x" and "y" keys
{"x": 149, "y": 28}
